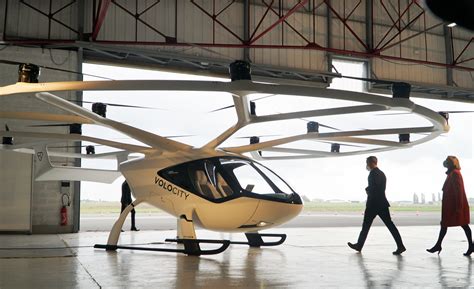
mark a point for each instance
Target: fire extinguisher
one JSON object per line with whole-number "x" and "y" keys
{"x": 63, "y": 211}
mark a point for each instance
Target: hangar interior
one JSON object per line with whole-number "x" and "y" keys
{"x": 292, "y": 42}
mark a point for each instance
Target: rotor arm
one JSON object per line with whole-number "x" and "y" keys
{"x": 243, "y": 119}
{"x": 155, "y": 141}
{"x": 328, "y": 136}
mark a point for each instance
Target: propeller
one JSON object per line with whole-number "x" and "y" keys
{"x": 440, "y": 112}
{"x": 265, "y": 135}
{"x": 10, "y": 62}
{"x": 118, "y": 105}
{"x": 230, "y": 106}
{"x": 373, "y": 80}
{"x": 346, "y": 145}
{"x": 319, "y": 124}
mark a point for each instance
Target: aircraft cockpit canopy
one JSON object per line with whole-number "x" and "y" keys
{"x": 221, "y": 178}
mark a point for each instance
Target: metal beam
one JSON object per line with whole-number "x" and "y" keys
{"x": 103, "y": 8}
{"x": 448, "y": 41}
{"x": 279, "y": 21}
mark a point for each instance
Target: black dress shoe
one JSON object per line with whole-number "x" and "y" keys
{"x": 399, "y": 251}
{"x": 354, "y": 246}
{"x": 134, "y": 229}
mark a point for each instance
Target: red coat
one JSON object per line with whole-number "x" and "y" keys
{"x": 455, "y": 209}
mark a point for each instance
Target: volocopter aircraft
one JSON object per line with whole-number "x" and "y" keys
{"x": 213, "y": 187}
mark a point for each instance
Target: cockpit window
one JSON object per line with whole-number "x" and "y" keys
{"x": 248, "y": 178}
{"x": 222, "y": 177}
{"x": 276, "y": 180}
{"x": 255, "y": 178}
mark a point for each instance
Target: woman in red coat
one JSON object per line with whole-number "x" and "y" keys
{"x": 455, "y": 208}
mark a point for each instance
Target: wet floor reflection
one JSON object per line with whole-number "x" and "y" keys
{"x": 380, "y": 274}
{"x": 243, "y": 271}
{"x": 459, "y": 276}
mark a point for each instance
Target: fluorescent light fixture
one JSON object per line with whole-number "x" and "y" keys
{"x": 451, "y": 24}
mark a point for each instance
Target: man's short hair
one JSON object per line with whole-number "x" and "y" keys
{"x": 372, "y": 160}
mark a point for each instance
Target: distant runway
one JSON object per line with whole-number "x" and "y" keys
{"x": 312, "y": 220}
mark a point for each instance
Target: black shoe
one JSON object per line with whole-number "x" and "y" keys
{"x": 134, "y": 229}
{"x": 354, "y": 246}
{"x": 436, "y": 248}
{"x": 399, "y": 250}
{"x": 469, "y": 251}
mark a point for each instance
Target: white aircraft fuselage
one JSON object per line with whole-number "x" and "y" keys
{"x": 235, "y": 210}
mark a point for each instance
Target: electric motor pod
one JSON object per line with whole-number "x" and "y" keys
{"x": 312, "y": 126}
{"x": 404, "y": 138}
{"x": 28, "y": 73}
{"x": 401, "y": 90}
{"x": 75, "y": 128}
{"x": 240, "y": 70}
{"x": 99, "y": 108}
{"x": 90, "y": 150}
{"x": 254, "y": 139}
{"x": 335, "y": 148}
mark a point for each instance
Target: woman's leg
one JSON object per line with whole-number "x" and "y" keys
{"x": 468, "y": 232}
{"x": 437, "y": 246}
{"x": 442, "y": 233}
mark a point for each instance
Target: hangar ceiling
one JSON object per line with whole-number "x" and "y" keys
{"x": 292, "y": 40}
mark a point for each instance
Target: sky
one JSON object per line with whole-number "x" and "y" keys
{"x": 414, "y": 170}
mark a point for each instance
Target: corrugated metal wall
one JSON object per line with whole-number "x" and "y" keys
{"x": 188, "y": 22}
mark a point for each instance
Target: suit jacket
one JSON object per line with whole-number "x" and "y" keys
{"x": 126, "y": 194}
{"x": 376, "y": 198}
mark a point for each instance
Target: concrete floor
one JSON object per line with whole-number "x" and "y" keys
{"x": 310, "y": 258}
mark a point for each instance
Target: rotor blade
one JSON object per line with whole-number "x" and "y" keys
{"x": 81, "y": 146}
{"x": 178, "y": 136}
{"x": 266, "y": 135}
{"x": 118, "y": 105}
{"x": 458, "y": 111}
{"x": 369, "y": 79}
{"x": 445, "y": 111}
{"x": 441, "y": 135}
{"x": 395, "y": 113}
{"x": 263, "y": 97}
{"x": 53, "y": 68}
{"x": 222, "y": 108}
{"x": 320, "y": 124}
{"x": 49, "y": 125}
{"x": 347, "y": 145}
{"x": 230, "y": 106}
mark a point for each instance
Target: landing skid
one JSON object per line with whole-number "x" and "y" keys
{"x": 191, "y": 247}
{"x": 254, "y": 240}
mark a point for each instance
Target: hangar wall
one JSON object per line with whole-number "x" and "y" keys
{"x": 46, "y": 195}
{"x": 401, "y": 40}
{"x": 397, "y": 30}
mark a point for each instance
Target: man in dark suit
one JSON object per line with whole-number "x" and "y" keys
{"x": 127, "y": 200}
{"x": 377, "y": 205}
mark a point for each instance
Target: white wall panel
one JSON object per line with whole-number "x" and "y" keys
{"x": 46, "y": 195}
{"x": 15, "y": 191}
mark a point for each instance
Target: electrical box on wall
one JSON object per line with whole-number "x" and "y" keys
{"x": 65, "y": 187}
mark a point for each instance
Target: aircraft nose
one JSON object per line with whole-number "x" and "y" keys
{"x": 271, "y": 213}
